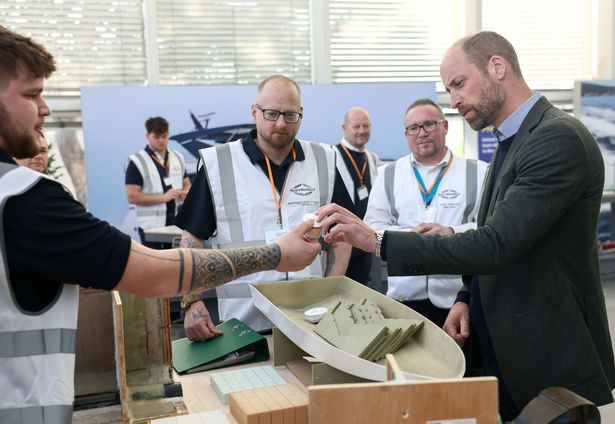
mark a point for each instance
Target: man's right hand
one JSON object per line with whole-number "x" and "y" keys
{"x": 457, "y": 324}
{"x": 296, "y": 251}
{"x": 198, "y": 324}
{"x": 173, "y": 194}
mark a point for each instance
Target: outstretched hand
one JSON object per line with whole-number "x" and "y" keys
{"x": 341, "y": 225}
{"x": 297, "y": 251}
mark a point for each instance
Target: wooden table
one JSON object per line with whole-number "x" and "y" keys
{"x": 199, "y": 396}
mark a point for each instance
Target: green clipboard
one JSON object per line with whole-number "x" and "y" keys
{"x": 238, "y": 344}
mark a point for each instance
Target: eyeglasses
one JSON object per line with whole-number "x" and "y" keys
{"x": 428, "y": 126}
{"x": 273, "y": 115}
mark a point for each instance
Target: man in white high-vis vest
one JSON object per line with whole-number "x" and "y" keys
{"x": 358, "y": 168}
{"x": 49, "y": 244}
{"x": 156, "y": 180}
{"x": 251, "y": 191}
{"x": 430, "y": 185}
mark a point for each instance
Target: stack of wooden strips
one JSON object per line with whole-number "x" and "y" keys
{"x": 361, "y": 329}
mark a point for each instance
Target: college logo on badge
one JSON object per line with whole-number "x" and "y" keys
{"x": 302, "y": 189}
{"x": 449, "y": 194}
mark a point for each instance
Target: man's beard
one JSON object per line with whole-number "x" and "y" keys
{"x": 491, "y": 99}
{"x": 278, "y": 141}
{"x": 19, "y": 144}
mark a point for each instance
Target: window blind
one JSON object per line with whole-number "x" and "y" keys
{"x": 552, "y": 38}
{"x": 93, "y": 42}
{"x": 232, "y": 42}
{"x": 387, "y": 41}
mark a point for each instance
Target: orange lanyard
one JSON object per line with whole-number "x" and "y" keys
{"x": 165, "y": 165}
{"x": 278, "y": 204}
{"x": 356, "y": 168}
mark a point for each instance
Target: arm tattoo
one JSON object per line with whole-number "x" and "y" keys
{"x": 190, "y": 243}
{"x": 330, "y": 260}
{"x": 180, "y": 285}
{"x": 211, "y": 269}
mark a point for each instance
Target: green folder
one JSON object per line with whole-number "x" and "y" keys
{"x": 238, "y": 344}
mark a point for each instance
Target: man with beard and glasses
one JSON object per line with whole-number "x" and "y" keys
{"x": 49, "y": 244}
{"x": 533, "y": 285}
{"x": 255, "y": 189}
{"x": 430, "y": 185}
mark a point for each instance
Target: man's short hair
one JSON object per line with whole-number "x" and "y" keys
{"x": 157, "y": 125}
{"x": 281, "y": 78}
{"x": 425, "y": 101}
{"x": 19, "y": 52}
{"x": 480, "y": 47}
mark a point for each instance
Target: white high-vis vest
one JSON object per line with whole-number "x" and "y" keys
{"x": 395, "y": 203}
{"x": 37, "y": 350}
{"x": 245, "y": 209}
{"x": 373, "y": 162}
{"x": 156, "y": 215}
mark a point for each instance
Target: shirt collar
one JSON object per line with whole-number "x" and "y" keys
{"x": 256, "y": 155}
{"x": 151, "y": 152}
{"x": 349, "y": 146}
{"x": 6, "y": 158}
{"x": 444, "y": 161}
{"x": 511, "y": 125}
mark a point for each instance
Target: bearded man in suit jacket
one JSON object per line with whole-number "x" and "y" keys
{"x": 532, "y": 303}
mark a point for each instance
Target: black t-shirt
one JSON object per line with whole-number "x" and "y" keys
{"x": 197, "y": 215}
{"x": 50, "y": 239}
{"x": 133, "y": 176}
{"x": 360, "y": 158}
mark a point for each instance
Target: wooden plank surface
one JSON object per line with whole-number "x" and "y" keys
{"x": 405, "y": 403}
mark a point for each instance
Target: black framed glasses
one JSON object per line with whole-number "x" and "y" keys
{"x": 428, "y": 126}
{"x": 273, "y": 115}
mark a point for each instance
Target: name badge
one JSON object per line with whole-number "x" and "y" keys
{"x": 167, "y": 181}
{"x": 362, "y": 192}
{"x": 426, "y": 214}
{"x": 274, "y": 233}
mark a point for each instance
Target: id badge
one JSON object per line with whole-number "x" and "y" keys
{"x": 168, "y": 181}
{"x": 273, "y": 233}
{"x": 426, "y": 214}
{"x": 362, "y": 192}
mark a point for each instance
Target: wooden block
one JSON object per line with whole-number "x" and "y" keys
{"x": 405, "y": 403}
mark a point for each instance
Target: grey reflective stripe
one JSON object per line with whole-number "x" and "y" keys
{"x": 389, "y": 186}
{"x": 55, "y": 414}
{"x": 323, "y": 172}
{"x": 229, "y": 192}
{"x": 233, "y": 291}
{"x": 252, "y": 243}
{"x": 144, "y": 167}
{"x": 37, "y": 342}
{"x": 471, "y": 187}
{"x": 150, "y": 212}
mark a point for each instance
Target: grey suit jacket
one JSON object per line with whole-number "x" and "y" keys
{"x": 535, "y": 252}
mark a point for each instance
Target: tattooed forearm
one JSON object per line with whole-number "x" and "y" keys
{"x": 212, "y": 268}
{"x": 330, "y": 260}
{"x": 180, "y": 285}
{"x": 190, "y": 243}
{"x": 159, "y": 257}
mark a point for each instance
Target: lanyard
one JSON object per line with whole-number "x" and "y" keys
{"x": 428, "y": 195}
{"x": 360, "y": 174}
{"x": 278, "y": 204}
{"x": 165, "y": 165}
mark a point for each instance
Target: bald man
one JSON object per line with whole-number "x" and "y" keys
{"x": 253, "y": 190}
{"x": 358, "y": 168}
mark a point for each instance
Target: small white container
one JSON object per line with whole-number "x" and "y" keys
{"x": 315, "y": 314}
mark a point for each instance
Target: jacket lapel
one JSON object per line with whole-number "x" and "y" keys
{"x": 489, "y": 196}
